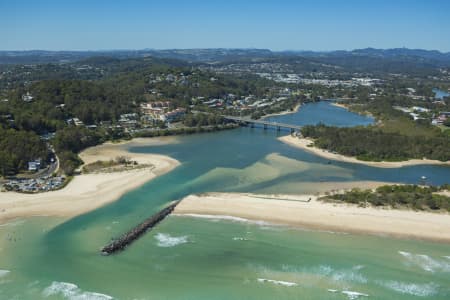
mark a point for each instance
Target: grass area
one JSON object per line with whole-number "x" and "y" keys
{"x": 408, "y": 127}
{"x": 118, "y": 163}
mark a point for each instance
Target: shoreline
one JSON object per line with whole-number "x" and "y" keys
{"x": 87, "y": 192}
{"x": 282, "y": 113}
{"x": 297, "y": 211}
{"x": 302, "y": 143}
{"x": 339, "y": 105}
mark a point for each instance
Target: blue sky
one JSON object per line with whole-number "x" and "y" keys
{"x": 276, "y": 25}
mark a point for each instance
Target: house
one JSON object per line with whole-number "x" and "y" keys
{"x": 34, "y": 165}
{"x": 173, "y": 115}
{"x": 128, "y": 121}
{"x": 154, "y": 110}
{"x": 74, "y": 121}
{"x": 27, "y": 97}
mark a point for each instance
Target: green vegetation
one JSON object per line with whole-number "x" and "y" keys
{"x": 397, "y": 196}
{"x": 185, "y": 130}
{"x": 193, "y": 120}
{"x": 17, "y": 148}
{"x": 102, "y": 165}
{"x": 374, "y": 144}
{"x": 71, "y": 140}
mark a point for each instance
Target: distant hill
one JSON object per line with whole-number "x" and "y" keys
{"x": 192, "y": 55}
{"x": 399, "y": 60}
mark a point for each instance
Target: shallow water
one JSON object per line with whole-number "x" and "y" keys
{"x": 192, "y": 258}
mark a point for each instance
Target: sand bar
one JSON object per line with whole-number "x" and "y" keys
{"x": 303, "y": 144}
{"x": 298, "y": 211}
{"x": 87, "y": 192}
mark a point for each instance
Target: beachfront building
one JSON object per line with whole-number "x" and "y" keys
{"x": 173, "y": 115}
{"x": 74, "y": 121}
{"x": 159, "y": 111}
{"x": 154, "y": 110}
{"x": 27, "y": 97}
{"x": 34, "y": 165}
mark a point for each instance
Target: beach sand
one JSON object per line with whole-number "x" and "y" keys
{"x": 303, "y": 143}
{"x": 87, "y": 192}
{"x": 282, "y": 113}
{"x": 297, "y": 211}
{"x": 339, "y": 105}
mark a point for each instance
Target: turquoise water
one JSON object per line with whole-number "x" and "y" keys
{"x": 192, "y": 258}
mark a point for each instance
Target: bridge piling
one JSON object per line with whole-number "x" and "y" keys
{"x": 266, "y": 124}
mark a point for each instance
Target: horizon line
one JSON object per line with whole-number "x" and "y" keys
{"x": 224, "y": 48}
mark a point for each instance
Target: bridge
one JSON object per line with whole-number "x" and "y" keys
{"x": 265, "y": 124}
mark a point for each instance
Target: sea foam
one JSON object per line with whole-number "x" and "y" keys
{"x": 354, "y": 295}
{"x": 236, "y": 238}
{"x": 277, "y": 282}
{"x": 224, "y": 218}
{"x": 426, "y": 262}
{"x": 4, "y": 272}
{"x": 72, "y": 292}
{"x": 12, "y": 224}
{"x": 350, "y": 275}
{"x": 414, "y": 289}
{"x": 165, "y": 240}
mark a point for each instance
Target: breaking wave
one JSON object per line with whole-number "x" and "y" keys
{"x": 277, "y": 282}
{"x": 72, "y": 292}
{"x": 165, "y": 240}
{"x": 225, "y": 218}
{"x": 236, "y": 238}
{"x": 414, "y": 289}
{"x": 354, "y": 295}
{"x": 425, "y": 262}
{"x": 350, "y": 294}
{"x": 346, "y": 275}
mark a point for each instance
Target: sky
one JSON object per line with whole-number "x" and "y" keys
{"x": 320, "y": 25}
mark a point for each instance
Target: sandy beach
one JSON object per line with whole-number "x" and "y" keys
{"x": 298, "y": 211}
{"x": 339, "y": 105}
{"x": 303, "y": 143}
{"x": 90, "y": 191}
{"x": 286, "y": 112}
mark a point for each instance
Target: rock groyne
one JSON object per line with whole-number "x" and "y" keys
{"x": 132, "y": 235}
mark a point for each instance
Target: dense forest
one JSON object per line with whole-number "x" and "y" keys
{"x": 373, "y": 144}
{"x": 397, "y": 196}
